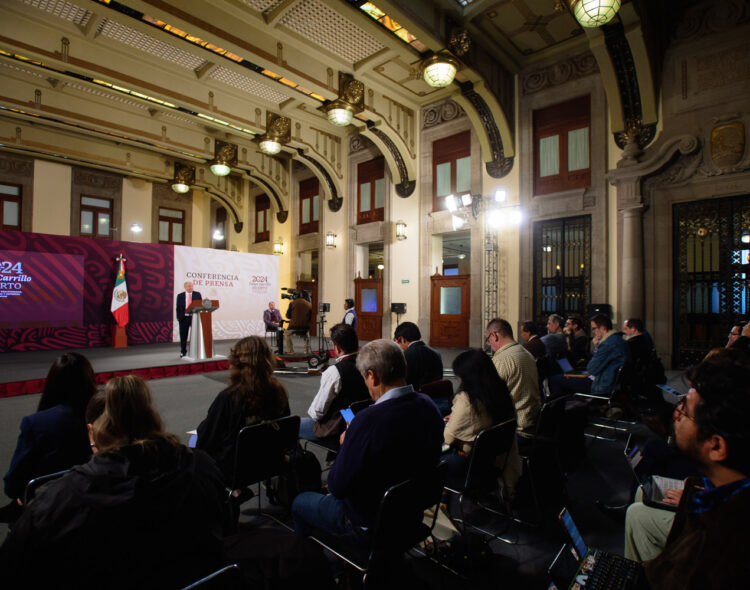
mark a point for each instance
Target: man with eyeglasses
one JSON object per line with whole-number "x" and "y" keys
{"x": 707, "y": 545}
{"x": 517, "y": 368}
{"x": 734, "y": 334}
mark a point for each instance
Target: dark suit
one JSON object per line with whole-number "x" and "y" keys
{"x": 423, "y": 364}
{"x": 184, "y": 320}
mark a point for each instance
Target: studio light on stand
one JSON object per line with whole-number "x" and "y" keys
{"x": 499, "y": 212}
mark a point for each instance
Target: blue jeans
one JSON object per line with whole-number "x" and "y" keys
{"x": 306, "y": 429}
{"x": 311, "y": 511}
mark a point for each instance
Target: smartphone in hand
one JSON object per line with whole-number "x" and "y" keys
{"x": 348, "y": 415}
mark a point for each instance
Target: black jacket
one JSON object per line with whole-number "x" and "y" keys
{"x": 423, "y": 364}
{"x": 139, "y": 517}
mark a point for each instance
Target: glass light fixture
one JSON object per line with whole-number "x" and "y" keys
{"x": 450, "y": 203}
{"x": 225, "y": 156}
{"x": 270, "y": 147}
{"x": 218, "y": 235}
{"x": 278, "y": 133}
{"x": 439, "y": 70}
{"x": 381, "y": 266}
{"x": 339, "y": 116}
{"x": 466, "y": 199}
{"x": 136, "y": 228}
{"x": 461, "y": 256}
{"x": 278, "y": 247}
{"x": 350, "y": 101}
{"x": 330, "y": 240}
{"x": 184, "y": 176}
{"x": 745, "y": 238}
{"x": 594, "y": 13}
{"x": 400, "y": 230}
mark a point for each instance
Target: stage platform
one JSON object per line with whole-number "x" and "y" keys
{"x": 24, "y": 372}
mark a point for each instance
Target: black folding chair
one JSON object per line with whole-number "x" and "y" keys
{"x": 399, "y": 524}
{"x": 35, "y": 483}
{"x": 482, "y": 474}
{"x": 227, "y": 578}
{"x": 260, "y": 453}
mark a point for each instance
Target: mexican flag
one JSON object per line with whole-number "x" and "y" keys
{"x": 120, "y": 295}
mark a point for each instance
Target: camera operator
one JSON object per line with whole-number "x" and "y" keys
{"x": 299, "y": 315}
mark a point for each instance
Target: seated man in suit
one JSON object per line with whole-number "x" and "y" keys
{"x": 530, "y": 339}
{"x": 554, "y": 340}
{"x": 423, "y": 364}
{"x": 389, "y": 442}
{"x": 340, "y": 386}
{"x": 274, "y": 323}
{"x": 184, "y": 300}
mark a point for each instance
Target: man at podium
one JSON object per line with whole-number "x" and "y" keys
{"x": 183, "y": 300}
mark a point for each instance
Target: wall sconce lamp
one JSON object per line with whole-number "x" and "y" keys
{"x": 439, "y": 69}
{"x": 400, "y": 230}
{"x": 330, "y": 240}
{"x": 225, "y": 156}
{"x": 278, "y": 133}
{"x": 590, "y": 13}
{"x": 278, "y": 247}
{"x": 184, "y": 176}
{"x": 136, "y": 228}
{"x": 350, "y": 102}
{"x": 218, "y": 235}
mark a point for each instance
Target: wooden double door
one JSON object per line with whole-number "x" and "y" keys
{"x": 450, "y": 310}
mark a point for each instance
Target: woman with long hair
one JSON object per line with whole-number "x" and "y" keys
{"x": 254, "y": 395}
{"x": 54, "y": 438}
{"x": 483, "y": 400}
{"x": 143, "y": 511}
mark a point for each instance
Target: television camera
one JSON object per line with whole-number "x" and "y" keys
{"x": 292, "y": 293}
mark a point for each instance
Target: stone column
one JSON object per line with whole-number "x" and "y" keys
{"x": 631, "y": 267}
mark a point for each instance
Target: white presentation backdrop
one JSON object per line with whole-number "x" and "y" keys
{"x": 243, "y": 284}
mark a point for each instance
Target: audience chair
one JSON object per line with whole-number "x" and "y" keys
{"x": 227, "y": 578}
{"x": 441, "y": 392}
{"x": 618, "y": 426}
{"x": 482, "y": 474}
{"x": 545, "y": 444}
{"x": 399, "y": 524}
{"x": 260, "y": 453}
{"x": 35, "y": 483}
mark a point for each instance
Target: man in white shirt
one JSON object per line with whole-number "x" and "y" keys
{"x": 340, "y": 386}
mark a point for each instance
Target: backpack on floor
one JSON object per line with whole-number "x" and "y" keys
{"x": 302, "y": 475}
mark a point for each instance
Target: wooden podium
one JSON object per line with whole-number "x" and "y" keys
{"x": 201, "y": 333}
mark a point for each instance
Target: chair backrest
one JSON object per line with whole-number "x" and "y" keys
{"x": 261, "y": 448}
{"x": 488, "y": 444}
{"x": 550, "y": 418}
{"x": 227, "y": 578}
{"x": 398, "y": 525}
{"x": 439, "y": 389}
{"x": 35, "y": 483}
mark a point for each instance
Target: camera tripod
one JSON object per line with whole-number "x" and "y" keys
{"x": 321, "y": 357}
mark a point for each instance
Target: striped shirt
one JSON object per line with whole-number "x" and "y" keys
{"x": 517, "y": 368}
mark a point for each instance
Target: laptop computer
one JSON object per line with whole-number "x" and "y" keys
{"x": 654, "y": 486}
{"x": 600, "y": 570}
{"x": 568, "y": 369}
{"x": 670, "y": 395}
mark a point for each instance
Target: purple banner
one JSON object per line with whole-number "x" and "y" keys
{"x": 149, "y": 272}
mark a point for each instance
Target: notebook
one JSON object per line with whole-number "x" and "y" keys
{"x": 654, "y": 486}
{"x": 599, "y": 570}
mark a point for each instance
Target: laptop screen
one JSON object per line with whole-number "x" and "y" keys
{"x": 573, "y": 533}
